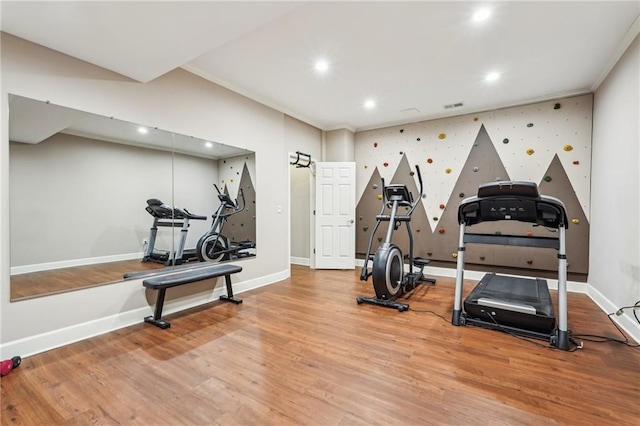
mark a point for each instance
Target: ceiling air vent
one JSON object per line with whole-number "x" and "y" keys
{"x": 456, "y": 105}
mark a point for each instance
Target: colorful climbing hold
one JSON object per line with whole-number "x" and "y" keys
{"x": 418, "y": 139}
{"x": 576, "y": 162}
{"x": 417, "y": 230}
{"x": 401, "y": 152}
{"x": 475, "y": 118}
{"x": 481, "y": 257}
{"x": 375, "y": 144}
{"x": 530, "y": 151}
{"x": 442, "y": 136}
{"x": 475, "y": 169}
{"x": 429, "y": 160}
{"x": 429, "y": 253}
{"x": 442, "y": 206}
{"x": 447, "y": 170}
{"x": 529, "y": 262}
{"x": 441, "y": 230}
{"x": 401, "y": 130}
{"x": 529, "y": 234}
{"x": 498, "y": 233}
{"x": 365, "y": 228}
{"x": 435, "y": 218}
{"x": 575, "y": 221}
{"x": 568, "y": 148}
{"x": 385, "y": 164}
{"x": 547, "y": 178}
{"x": 379, "y": 196}
{"x": 530, "y": 125}
{"x": 411, "y": 173}
{"x": 375, "y": 186}
{"x": 366, "y": 167}
{"x": 461, "y": 195}
{"x": 505, "y": 140}
{"x": 557, "y": 106}
{"x": 454, "y": 255}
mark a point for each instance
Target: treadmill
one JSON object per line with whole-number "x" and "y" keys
{"x": 519, "y": 305}
{"x": 165, "y": 215}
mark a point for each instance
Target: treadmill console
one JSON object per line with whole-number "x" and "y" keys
{"x": 507, "y": 200}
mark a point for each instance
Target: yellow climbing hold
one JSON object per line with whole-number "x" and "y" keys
{"x": 568, "y": 148}
{"x": 442, "y": 136}
{"x": 379, "y": 196}
{"x": 576, "y": 221}
{"x": 454, "y": 255}
{"x": 447, "y": 171}
{"x": 530, "y": 151}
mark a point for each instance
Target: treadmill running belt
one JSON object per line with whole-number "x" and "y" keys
{"x": 516, "y": 302}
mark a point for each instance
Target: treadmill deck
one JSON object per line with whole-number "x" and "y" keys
{"x": 522, "y": 303}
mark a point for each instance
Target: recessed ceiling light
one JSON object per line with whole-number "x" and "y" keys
{"x": 369, "y": 104}
{"x": 492, "y": 76}
{"x": 208, "y": 145}
{"x": 322, "y": 65}
{"x": 481, "y": 14}
{"x": 143, "y": 130}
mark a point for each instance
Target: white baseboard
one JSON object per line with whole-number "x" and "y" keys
{"x": 25, "y": 269}
{"x": 626, "y": 321}
{"x": 572, "y": 286}
{"x": 56, "y": 338}
{"x": 304, "y": 261}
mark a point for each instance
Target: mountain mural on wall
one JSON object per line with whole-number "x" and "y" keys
{"x": 483, "y": 164}
{"x": 242, "y": 226}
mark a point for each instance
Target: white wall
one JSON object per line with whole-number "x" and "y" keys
{"x": 614, "y": 267}
{"x": 304, "y": 138}
{"x": 178, "y": 102}
{"x": 339, "y": 145}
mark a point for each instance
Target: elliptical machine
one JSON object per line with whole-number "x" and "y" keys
{"x": 215, "y": 247}
{"x": 389, "y": 280}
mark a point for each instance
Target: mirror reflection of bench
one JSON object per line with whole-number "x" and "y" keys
{"x": 163, "y": 282}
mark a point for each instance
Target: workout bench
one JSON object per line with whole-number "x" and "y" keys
{"x": 162, "y": 283}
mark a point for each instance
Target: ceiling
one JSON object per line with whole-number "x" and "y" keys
{"x": 411, "y": 58}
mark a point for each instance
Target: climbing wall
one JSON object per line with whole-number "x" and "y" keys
{"x": 235, "y": 174}
{"x": 547, "y": 143}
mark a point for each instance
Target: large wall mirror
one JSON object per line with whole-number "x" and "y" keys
{"x": 86, "y": 191}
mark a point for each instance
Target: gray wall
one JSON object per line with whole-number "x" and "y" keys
{"x": 179, "y": 102}
{"x": 76, "y": 198}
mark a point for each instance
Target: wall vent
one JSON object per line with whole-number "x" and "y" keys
{"x": 456, "y": 105}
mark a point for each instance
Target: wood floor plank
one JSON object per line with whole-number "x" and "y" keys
{"x": 302, "y": 352}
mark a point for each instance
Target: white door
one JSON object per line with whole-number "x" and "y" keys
{"x": 335, "y": 246}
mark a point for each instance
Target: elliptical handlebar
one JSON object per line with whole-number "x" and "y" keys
{"x": 419, "y": 197}
{"x": 228, "y": 204}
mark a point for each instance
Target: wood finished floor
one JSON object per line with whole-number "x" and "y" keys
{"x": 37, "y": 284}
{"x": 302, "y": 352}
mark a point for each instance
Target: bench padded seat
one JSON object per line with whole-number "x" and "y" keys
{"x": 163, "y": 282}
